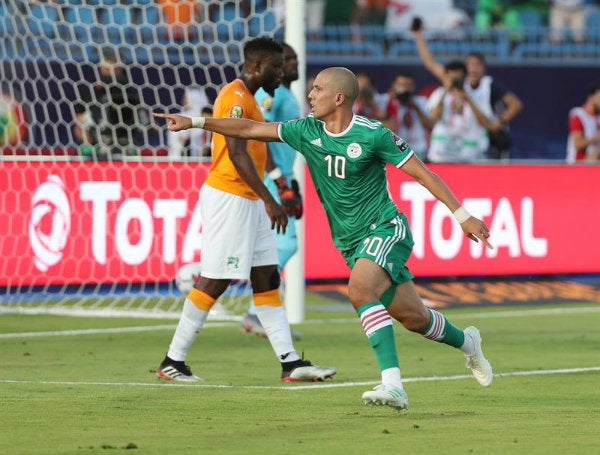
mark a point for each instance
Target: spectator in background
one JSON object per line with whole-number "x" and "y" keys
{"x": 338, "y": 12}
{"x": 408, "y": 114}
{"x": 366, "y": 105}
{"x": 567, "y": 14}
{"x": 584, "y": 128}
{"x": 370, "y": 12}
{"x": 459, "y": 130}
{"x": 369, "y": 103}
{"x": 186, "y": 145}
{"x": 109, "y": 121}
{"x": 496, "y": 102}
{"x": 498, "y": 14}
{"x": 191, "y": 143}
{"x": 180, "y": 15}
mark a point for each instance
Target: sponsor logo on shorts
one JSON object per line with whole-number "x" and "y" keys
{"x": 233, "y": 263}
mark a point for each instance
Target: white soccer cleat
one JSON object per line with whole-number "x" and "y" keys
{"x": 481, "y": 368}
{"x": 388, "y": 395}
{"x": 307, "y": 372}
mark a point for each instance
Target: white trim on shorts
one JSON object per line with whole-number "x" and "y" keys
{"x": 236, "y": 235}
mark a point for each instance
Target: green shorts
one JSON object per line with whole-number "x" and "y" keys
{"x": 389, "y": 245}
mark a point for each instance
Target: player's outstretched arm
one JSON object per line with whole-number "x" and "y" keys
{"x": 240, "y": 128}
{"x": 473, "y": 228}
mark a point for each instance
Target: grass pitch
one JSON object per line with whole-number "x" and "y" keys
{"x": 87, "y": 386}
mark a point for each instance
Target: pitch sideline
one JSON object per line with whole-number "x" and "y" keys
{"x": 301, "y": 387}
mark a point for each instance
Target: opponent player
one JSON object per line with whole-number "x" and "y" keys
{"x": 281, "y": 107}
{"x": 239, "y": 215}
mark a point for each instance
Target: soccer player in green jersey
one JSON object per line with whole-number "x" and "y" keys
{"x": 346, "y": 156}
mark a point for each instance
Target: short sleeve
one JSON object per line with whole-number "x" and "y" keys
{"x": 292, "y": 132}
{"x": 392, "y": 148}
{"x": 575, "y": 123}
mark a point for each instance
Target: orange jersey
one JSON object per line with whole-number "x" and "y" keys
{"x": 235, "y": 100}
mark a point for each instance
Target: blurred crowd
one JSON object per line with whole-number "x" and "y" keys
{"x": 566, "y": 18}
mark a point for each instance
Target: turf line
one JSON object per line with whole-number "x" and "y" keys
{"x": 149, "y": 328}
{"x": 331, "y": 385}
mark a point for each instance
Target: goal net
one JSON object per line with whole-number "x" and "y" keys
{"x": 99, "y": 204}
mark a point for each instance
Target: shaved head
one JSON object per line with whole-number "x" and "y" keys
{"x": 342, "y": 80}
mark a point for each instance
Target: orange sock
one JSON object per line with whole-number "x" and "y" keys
{"x": 270, "y": 298}
{"x": 201, "y": 300}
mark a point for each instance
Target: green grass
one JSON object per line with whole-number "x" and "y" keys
{"x": 97, "y": 393}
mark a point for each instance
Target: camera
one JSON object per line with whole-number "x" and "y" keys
{"x": 458, "y": 83}
{"x": 416, "y": 24}
{"x": 404, "y": 96}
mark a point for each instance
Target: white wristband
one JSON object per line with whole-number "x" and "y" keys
{"x": 461, "y": 215}
{"x": 275, "y": 173}
{"x": 198, "y": 122}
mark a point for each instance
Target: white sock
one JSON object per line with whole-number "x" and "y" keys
{"x": 251, "y": 309}
{"x": 192, "y": 319}
{"x": 468, "y": 347}
{"x": 392, "y": 376}
{"x": 274, "y": 321}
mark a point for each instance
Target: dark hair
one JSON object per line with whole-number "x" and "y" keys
{"x": 258, "y": 47}
{"x": 406, "y": 74}
{"x": 285, "y": 45}
{"x": 478, "y": 55}
{"x": 109, "y": 54}
{"x": 594, "y": 87}
{"x": 455, "y": 65}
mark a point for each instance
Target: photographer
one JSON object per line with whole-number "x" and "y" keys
{"x": 109, "y": 117}
{"x": 459, "y": 133}
{"x": 408, "y": 115}
{"x": 497, "y": 102}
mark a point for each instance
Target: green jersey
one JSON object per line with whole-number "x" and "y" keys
{"x": 348, "y": 170}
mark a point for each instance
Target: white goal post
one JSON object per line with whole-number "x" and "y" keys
{"x": 86, "y": 229}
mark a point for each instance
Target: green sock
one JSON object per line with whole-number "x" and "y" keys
{"x": 388, "y": 296}
{"x": 442, "y": 330}
{"x": 378, "y": 327}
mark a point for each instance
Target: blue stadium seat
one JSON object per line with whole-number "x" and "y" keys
{"x": 42, "y": 19}
{"x": 81, "y": 20}
{"x": 119, "y": 15}
{"x": 151, "y": 15}
{"x": 592, "y": 24}
{"x": 532, "y": 24}
{"x": 325, "y": 50}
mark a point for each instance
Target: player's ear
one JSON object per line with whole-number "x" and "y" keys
{"x": 257, "y": 67}
{"x": 340, "y": 98}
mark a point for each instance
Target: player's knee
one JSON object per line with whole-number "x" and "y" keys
{"x": 359, "y": 295}
{"x": 415, "y": 321}
{"x": 274, "y": 280}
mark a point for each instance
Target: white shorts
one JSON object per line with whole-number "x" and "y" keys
{"x": 236, "y": 235}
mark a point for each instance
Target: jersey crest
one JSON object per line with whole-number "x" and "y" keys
{"x": 354, "y": 150}
{"x": 236, "y": 111}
